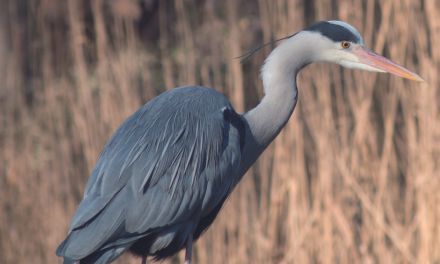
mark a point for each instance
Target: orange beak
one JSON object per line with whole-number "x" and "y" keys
{"x": 379, "y": 62}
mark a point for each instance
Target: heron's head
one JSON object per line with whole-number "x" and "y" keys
{"x": 339, "y": 42}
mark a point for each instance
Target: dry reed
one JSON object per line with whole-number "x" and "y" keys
{"x": 353, "y": 178}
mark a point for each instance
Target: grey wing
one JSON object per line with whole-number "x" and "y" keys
{"x": 172, "y": 161}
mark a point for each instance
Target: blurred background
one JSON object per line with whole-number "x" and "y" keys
{"x": 353, "y": 178}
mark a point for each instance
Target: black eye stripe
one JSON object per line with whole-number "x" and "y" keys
{"x": 334, "y": 32}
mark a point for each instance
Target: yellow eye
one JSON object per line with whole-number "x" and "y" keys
{"x": 345, "y": 45}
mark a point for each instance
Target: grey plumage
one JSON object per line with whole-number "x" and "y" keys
{"x": 166, "y": 172}
{"x": 177, "y": 164}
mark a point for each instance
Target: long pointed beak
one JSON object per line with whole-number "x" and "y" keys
{"x": 379, "y": 62}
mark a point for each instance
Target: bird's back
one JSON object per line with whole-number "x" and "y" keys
{"x": 164, "y": 173}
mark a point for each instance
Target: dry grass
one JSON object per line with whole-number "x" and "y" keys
{"x": 353, "y": 178}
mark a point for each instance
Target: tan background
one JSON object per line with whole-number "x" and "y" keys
{"x": 353, "y": 178}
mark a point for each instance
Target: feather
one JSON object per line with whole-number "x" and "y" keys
{"x": 168, "y": 165}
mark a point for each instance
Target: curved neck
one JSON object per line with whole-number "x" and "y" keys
{"x": 281, "y": 94}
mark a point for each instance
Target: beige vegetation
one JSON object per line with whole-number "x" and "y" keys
{"x": 353, "y": 178}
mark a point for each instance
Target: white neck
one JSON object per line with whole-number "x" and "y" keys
{"x": 281, "y": 94}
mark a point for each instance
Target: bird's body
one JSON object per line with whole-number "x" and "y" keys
{"x": 166, "y": 172}
{"x": 162, "y": 175}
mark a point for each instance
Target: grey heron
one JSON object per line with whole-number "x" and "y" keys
{"x": 164, "y": 175}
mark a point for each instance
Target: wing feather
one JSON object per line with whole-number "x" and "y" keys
{"x": 171, "y": 161}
